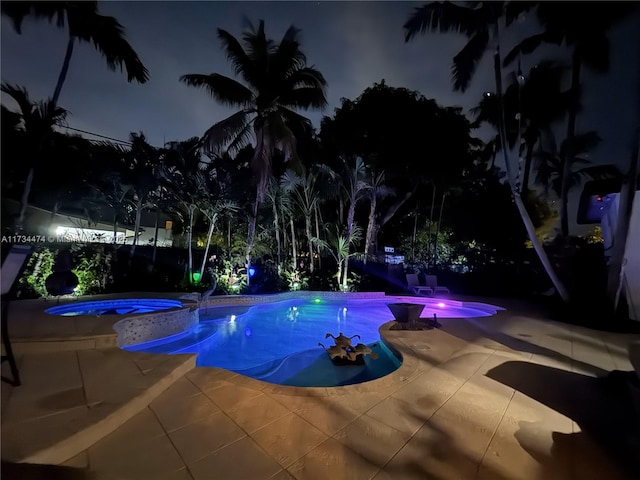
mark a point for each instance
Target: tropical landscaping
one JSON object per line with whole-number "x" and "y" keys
{"x": 262, "y": 202}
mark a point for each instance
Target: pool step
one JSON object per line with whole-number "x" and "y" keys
{"x": 186, "y": 342}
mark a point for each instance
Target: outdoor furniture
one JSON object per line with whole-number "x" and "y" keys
{"x": 414, "y": 285}
{"x": 432, "y": 282}
{"x": 12, "y": 268}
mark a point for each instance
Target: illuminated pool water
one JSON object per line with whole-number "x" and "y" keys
{"x": 114, "y": 307}
{"x": 278, "y": 342}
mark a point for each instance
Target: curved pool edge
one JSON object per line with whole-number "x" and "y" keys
{"x": 406, "y": 372}
{"x": 394, "y": 339}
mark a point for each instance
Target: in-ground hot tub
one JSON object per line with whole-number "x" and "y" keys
{"x": 127, "y": 306}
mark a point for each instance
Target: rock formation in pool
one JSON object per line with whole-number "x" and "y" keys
{"x": 342, "y": 353}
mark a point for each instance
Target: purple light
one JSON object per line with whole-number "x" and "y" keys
{"x": 441, "y": 304}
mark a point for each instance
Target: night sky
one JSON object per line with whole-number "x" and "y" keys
{"x": 354, "y": 44}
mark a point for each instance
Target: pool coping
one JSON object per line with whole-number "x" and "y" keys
{"x": 96, "y": 428}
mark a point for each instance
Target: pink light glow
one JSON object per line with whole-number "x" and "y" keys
{"x": 441, "y": 304}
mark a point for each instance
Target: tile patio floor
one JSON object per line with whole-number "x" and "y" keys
{"x": 513, "y": 396}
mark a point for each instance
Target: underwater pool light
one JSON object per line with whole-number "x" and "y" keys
{"x": 441, "y": 304}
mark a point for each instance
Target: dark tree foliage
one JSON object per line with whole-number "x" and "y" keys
{"x": 413, "y": 140}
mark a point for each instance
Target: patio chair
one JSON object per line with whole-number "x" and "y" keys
{"x": 414, "y": 285}
{"x": 12, "y": 268}
{"x": 432, "y": 282}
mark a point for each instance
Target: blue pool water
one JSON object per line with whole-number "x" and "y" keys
{"x": 114, "y": 307}
{"x": 278, "y": 342}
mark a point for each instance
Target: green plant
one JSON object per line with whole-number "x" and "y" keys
{"x": 39, "y": 267}
{"x": 230, "y": 278}
{"x": 92, "y": 267}
{"x": 296, "y": 279}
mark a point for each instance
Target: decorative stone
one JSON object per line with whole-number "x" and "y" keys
{"x": 406, "y": 312}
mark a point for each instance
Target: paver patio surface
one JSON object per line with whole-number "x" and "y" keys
{"x": 512, "y": 396}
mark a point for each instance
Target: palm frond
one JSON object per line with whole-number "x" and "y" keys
{"x": 525, "y": 47}
{"x": 231, "y": 129}
{"x": 304, "y": 98}
{"x": 442, "y": 17}
{"x": 236, "y": 55}
{"x": 242, "y": 139}
{"x": 288, "y": 57}
{"x": 108, "y": 37}
{"x": 466, "y": 61}
{"x": 224, "y": 89}
{"x": 20, "y": 95}
{"x": 514, "y": 10}
{"x": 581, "y": 143}
{"x": 296, "y": 121}
{"x": 18, "y": 11}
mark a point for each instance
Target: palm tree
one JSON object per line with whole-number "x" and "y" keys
{"x": 586, "y": 33}
{"x": 305, "y": 193}
{"x": 377, "y": 189}
{"x": 36, "y": 121}
{"x": 339, "y": 246}
{"x": 84, "y": 24}
{"x": 531, "y": 104}
{"x": 213, "y": 210}
{"x": 353, "y": 188}
{"x": 142, "y": 173}
{"x": 278, "y": 81}
{"x": 188, "y": 178}
{"x": 280, "y": 201}
{"x": 480, "y": 22}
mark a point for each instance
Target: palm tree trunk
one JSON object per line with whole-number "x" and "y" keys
{"x": 307, "y": 228}
{"x": 24, "y": 201}
{"x": 192, "y": 209}
{"x": 413, "y": 238}
{"x": 318, "y": 236}
{"x": 155, "y": 240}
{"x": 136, "y": 233}
{"x": 527, "y": 170}
{"x": 568, "y": 154}
{"x": 350, "y": 219}
{"x": 285, "y": 237}
{"x": 293, "y": 244}
{"x": 276, "y": 225}
{"x": 65, "y": 68}
{"x": 429, "y": 239}
{"x": 54, "y": 212}
{"x": 251, "y": 234}
{"x": 212, "y": 224}
{"x": 115, "y": 228}
{"x": 528, "y": 224}
{"x": 435, "y": 247}
{"x": 370, "y": 226}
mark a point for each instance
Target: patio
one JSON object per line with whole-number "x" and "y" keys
{"x": 509, "y": 396}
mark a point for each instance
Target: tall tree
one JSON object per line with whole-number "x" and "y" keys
{"x": 278, "y": 81}
{"x": 409, "y": 137}
{"x": 481, "y": 23}
{"x": 376, "y": 189}
{"x": 586, "y": 34}
{"x": 36, "y": 122}
{"x": 84, "y": 24}
{"x": 532, "y": 103}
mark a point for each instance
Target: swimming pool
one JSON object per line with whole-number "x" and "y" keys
{"x": 278, "y": 342}
{"x": 114, "y": 307}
